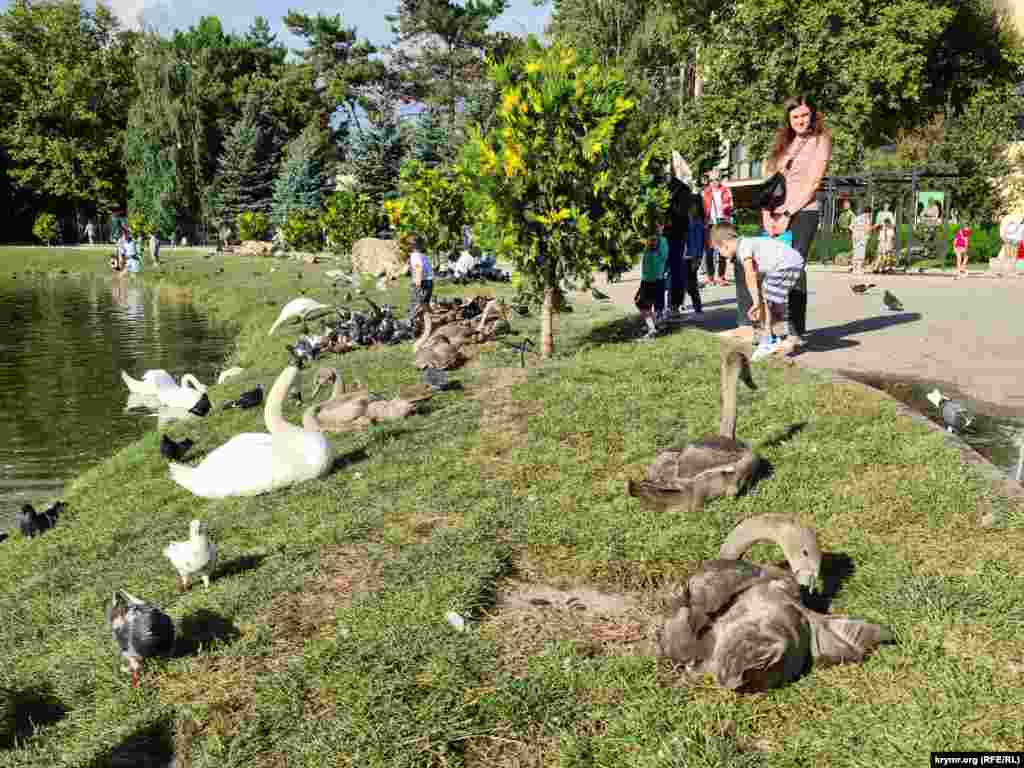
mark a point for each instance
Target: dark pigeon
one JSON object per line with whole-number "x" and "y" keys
{"x": 249, "y": 399}
{"x": 202, "y": 406}
{"x": 140, "y": 630}
{"x": 862, "y": 287}
{"x": 436, "y": 378}
{"x": 173, "y": 451}
{"x": 892, "y": 302}
{"x": 32, "y": 523}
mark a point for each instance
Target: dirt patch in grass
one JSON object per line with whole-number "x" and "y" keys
{"x": 529, "y": 618}
{"x": 506, "y": 748}
{"x": 848, "y": 401}
{"x": 504, "y": 423}
{"x": 223, "y": 687}
{"x": 962, "y": 550}
{"x": 884, "y": 498}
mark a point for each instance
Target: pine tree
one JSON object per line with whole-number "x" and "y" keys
{"x": 376, "y": 156}
{"x": 300, "y": 184}
{"x": 431, "y": 141}
{"x": 246, "y": 167}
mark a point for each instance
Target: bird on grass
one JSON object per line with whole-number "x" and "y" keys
{"x": 195, "y": 557}
{"x": 436, "y": 378}
{"x": 140, "y": 630}
{"x": 202, "y": 406}
{"x": 954, "y": 414}
{"x": 32, "y": 523}
{"x": 521, "y": 346}
{"x": 173, "y": 451}
{"x": 598, "y": 296}
{"x": 892, "y": 302}
{"x": 862, "y": 287}
{"x": 249, "y": 399}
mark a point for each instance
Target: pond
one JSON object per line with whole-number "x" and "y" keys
{"x": 995, "y": 432}
{"x": 64, "y": 341}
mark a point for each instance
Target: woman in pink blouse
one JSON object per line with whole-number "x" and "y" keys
{"x": 803, "y": 148}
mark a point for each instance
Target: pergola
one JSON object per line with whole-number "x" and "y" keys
{"x": 900, "y": 186}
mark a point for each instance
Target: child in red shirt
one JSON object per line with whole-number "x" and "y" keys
{"x": 961, "y": 242}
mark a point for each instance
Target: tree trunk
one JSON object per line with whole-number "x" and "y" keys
{"x": 547, "y": 331}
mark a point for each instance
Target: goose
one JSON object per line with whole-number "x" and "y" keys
{"x": 302, "y": 310}
{"x": 253, "y": 463}
{"x": 195, "y": 557}
{"x": 140, "y": 630}
{"x": 434, "y": 350}
{"x": 340, "y": 409}
{"x": 710, "y": 467}
{"x": 745, "y": 623}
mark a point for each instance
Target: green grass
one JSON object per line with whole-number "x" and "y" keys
{"x": 323, "y": 640}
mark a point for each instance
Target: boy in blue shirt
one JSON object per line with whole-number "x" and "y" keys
{"x": 652, "y": 281}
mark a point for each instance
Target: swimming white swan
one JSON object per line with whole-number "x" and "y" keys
{"x": 150, "y": 383}
{"x": 256, "y": 462}
{"x": 161, "y": 384}
{"x": 300, "y": 310}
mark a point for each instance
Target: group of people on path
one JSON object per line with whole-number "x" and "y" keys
{"x": 769, "y": 270}
{"x": 127, "y": 259}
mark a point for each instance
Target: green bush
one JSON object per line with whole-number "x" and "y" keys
{"x": 301, "y": 230}
{"x": 350, "y": 216}
{"x": 252, "y": 225}
{"x": 45, "y": 228}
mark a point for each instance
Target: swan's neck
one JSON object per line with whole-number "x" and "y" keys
{"x": 428, "y": 328}
{"x": 339, "y": 387}
{"x": 774, "y": 528}
{"x": 272, "y": 415}
{"x": 730, "y": 378}
{"x": 188, "y": 380}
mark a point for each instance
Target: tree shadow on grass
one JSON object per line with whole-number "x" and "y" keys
{"x": 23, "y": 711}
{"x": 348, "y": 459}
{"x": 836, "y": 570}
{"x": 201, "y": 629}
{"x": 149, "y": 747}
{"x": 785, "y": 435}
{"x": 239, "y": 565}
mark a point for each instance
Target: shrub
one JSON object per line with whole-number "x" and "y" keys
{"x": 252, "y": 225}
{"x": 45, "y": 228}
{"x": 349, "y": 217}
{"x": 301, "y": 230}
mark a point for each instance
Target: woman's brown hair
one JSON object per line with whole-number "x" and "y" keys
{"x": 785, "y": 135}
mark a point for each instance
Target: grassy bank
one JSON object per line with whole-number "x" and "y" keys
{"x": 323, "y": 639}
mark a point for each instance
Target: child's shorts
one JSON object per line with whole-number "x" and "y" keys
{"x": 646, "y": 296}
{"x": 778, "y": 284}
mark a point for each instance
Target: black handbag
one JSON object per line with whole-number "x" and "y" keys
{"x": 772, "y": 193}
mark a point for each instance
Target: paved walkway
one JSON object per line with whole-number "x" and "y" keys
{"x": 966, "y": 336}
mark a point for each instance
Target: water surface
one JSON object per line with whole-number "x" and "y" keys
{"x": 63, "y": 343}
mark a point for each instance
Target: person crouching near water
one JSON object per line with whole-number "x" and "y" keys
{"x": 652, "y": 281}
{"x": 422, "y": 276}
{"x": 770, "y": 270}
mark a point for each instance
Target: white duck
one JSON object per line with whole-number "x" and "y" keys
{"x": 161, "y": 384}
{"x": 195, "y": 557}
{"x": 253, "y": 463}
{"x": 300, "y": 310}
{"x": 230, "y": 373}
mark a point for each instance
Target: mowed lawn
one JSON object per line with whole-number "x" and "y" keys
{"x": 323, "y": 639}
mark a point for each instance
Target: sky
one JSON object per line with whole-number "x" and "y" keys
{"x": 367, "y": 16}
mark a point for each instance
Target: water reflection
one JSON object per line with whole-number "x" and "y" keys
{"x": 63, "y": 344}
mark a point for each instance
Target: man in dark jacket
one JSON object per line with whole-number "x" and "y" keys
{"x": 678, "y": 224}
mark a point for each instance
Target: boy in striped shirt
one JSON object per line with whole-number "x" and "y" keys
{"x": 770, "y": 268}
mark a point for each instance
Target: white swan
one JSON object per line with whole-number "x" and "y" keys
{"x": 230, "y": 373}
{"x": 301, "y": 310}
{"x": 150, "y": 383}
{"x": 161, "y": 384}
{"x": 256, "y": 462}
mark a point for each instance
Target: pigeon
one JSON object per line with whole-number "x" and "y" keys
{"x": 3, "y": 538}
{"x": 954, "y": 415}
{"x": 521, "y": 309}
{"x": 249, "y": 399}
{"x": 195, "y": 557}
{"x": 140, "y": 630}
{"x": 862, "y": 287}
{"x": 892, "y": 302}
{"x": 173, "y": 451}
{"x": 522, "y": 346}
{"x": 32, "y": 523}
{"x": 202, "y": 406}
{"x": 437, "y": 378}
{"x": 598, "y": 295}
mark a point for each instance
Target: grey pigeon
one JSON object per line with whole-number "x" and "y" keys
{"x": 437, "y": 378}
{"x": 140, "y": 630}
{"x": 954, "y": 415}
{"x": 892, "y": 302}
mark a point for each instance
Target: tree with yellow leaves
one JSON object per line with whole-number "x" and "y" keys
{"x": 563, "y": 177}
